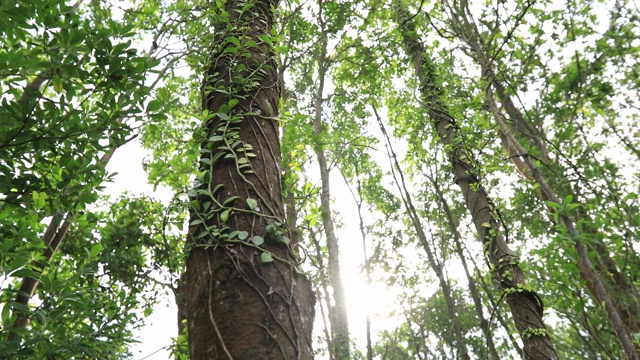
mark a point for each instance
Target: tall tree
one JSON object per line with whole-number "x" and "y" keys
{"x": 435, "y": 264}
{"x": 525, "y": 304}
{"x": 525, "y": 140}
{"x": 338, "y": 314}
{"x": 246, "y": 297}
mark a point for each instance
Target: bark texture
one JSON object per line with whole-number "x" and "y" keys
{"x": 240, "y": 306}
{"x": 526, "y": 306}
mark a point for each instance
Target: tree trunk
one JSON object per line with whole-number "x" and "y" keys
{"x": 492, "y": 353}
{"x": 587, "y": 271}
{"x": 338, "y": 315}
{"x": 245, "y": 297}
{"x": 435, "y": 264}
{"x": 525, "y": 304}
{"x": 595, "y": 283}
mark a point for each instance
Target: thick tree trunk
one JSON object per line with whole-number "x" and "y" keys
{"x": 245, "y": 297}
{"x": 525, "y": 304}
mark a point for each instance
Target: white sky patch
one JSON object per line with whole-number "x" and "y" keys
{"x": 161, "y": 326}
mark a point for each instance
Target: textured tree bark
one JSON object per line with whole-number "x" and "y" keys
{"x": 526, "y": 306}
{"x": 242, "y": 305}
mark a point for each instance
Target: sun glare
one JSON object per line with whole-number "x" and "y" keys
{"x": 363, "y": 299}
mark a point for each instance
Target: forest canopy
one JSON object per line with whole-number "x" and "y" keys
{"x": 348, "y": 179}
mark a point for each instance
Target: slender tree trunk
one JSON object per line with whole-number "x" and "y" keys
{"x": 484, "y": 324}
{"x": 594, "y": 283}
{"x": 524, "y": 163}
{"x": 323, "y": 294}
{"x": 525, "y": 304}
{"x": 338, "y": 317}
{"x": 245, "y": 297}
{"x": 363, "y": 234}
{"x": 436, "y": 265}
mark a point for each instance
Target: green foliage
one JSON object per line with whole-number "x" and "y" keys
{"x": 75, "y": 87}
{"x": 74, "y": 90}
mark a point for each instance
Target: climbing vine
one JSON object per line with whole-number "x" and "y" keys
{"x": 237, "y": 231}
{"x": 213, "y": 210}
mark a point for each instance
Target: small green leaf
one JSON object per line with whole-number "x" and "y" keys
{"x": 225, "y": 215}
{"x": 266, "y": 38}
{"x": 154, "y": 105}
{"x": 283, "y": 240}
{"x": 215, "y": 189}
{"x": 257, "y": 240}
{"x": 95, "y": 249}
{"x": 39, "y": 199}
{"x": 252, "y": 203}
{"x": 57, "y": 83}
{"x": 243, "y": 235}
{"x": 164, "y": 94}
{"x": 231, "y": 199}
{"x": 196, "y": 222}
{"x": 486, "y": 224}
{"x": 6, "y": 316}
{"x": 568, "y": 199}
{"x": 266, "y": 257}
{"x": 553, "y": 204}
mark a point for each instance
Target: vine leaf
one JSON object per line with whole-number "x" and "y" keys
{"x": 266, "y": 257}
{"x": 252, "y": 203}
{"x": 225, "y": 215}
{"x": 231, "y": 199}
{"x": 257, "y": 240}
